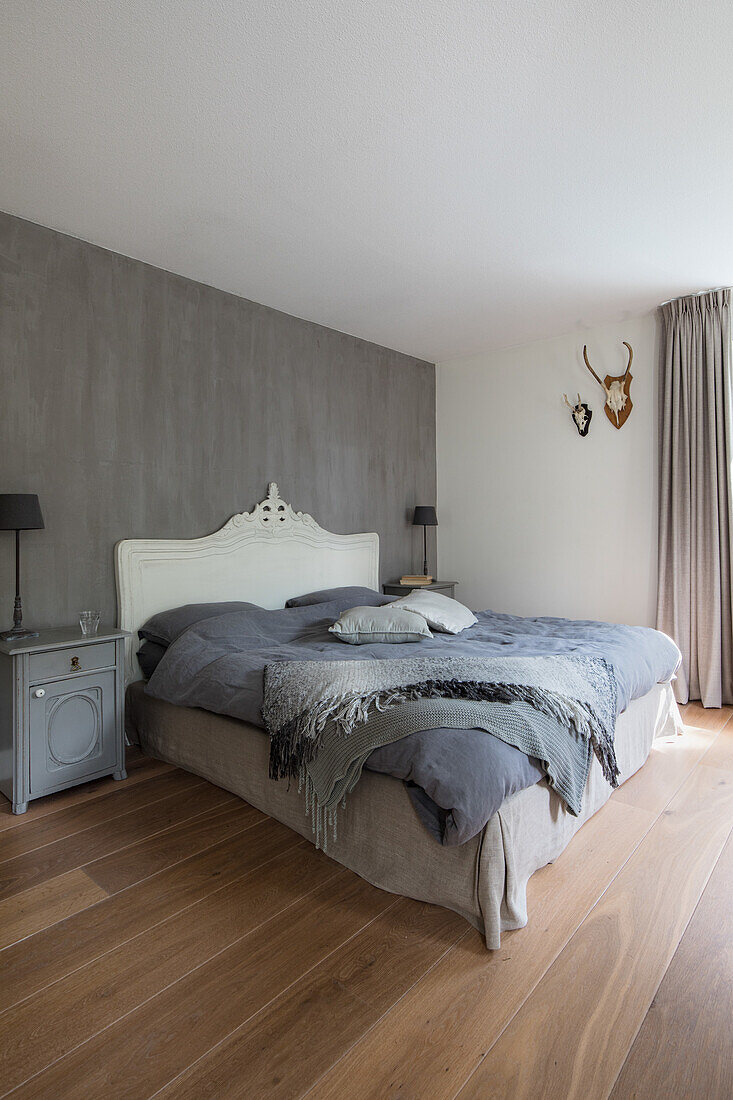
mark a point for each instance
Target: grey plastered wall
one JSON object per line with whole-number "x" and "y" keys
{"x": 138, "y": 403}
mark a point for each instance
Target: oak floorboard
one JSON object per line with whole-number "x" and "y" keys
{"x": 437, "y": 1034}
{"x": 46, "y": 904}
{"x": 86, "y": 845}
{"x": 41, "y": 1029}
{"x": 695, "y": 714}
{"x": 138, "y": 861}
{"x": 76, "y": 819}
{"x": 153, "y": 1044}
{"x": 613, "y": 965}
{"x": 57, "y": 951}
{"x": 671, "y": 760}
{"x": 685, "y": 1045}
{"x": 139, "y": 769}
{"x": 720, "y": 753}
{"x": 288, "y": 1045}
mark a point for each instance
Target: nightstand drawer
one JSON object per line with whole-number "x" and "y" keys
{"x": 63, "y": 662}
{"x": 72, "y": 731}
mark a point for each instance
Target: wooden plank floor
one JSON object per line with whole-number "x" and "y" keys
{"x": 159, "y": 937}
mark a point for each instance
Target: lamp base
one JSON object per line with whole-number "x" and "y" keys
{"x": 18, "y": 635}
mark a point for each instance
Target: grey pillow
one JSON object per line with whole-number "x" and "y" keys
{"x": 149, "y": 656}
{"x": 166, "y": 626}
{"x": 365, "y": 625}
{"x": 365, "y": 597}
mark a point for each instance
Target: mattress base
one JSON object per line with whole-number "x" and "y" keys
{"x": 380, "y": 836}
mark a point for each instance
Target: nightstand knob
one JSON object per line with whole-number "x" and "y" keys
{"x": 39, "y": 693}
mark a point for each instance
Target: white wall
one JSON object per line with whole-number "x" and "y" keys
{"x": 534, "y": 519}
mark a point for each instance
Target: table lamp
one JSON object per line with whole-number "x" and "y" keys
{"x": 425, "y": 517}
{"x": 19, "y": 512}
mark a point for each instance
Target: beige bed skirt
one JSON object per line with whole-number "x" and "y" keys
{"x": 379, "y": 834}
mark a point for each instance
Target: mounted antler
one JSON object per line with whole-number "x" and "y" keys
{"x": 570, "y": 405}
{"x": 616, "y": 389}
{"x": 590, "y": 368}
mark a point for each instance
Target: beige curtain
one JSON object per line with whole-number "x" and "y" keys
{"x": 695, "y": 494}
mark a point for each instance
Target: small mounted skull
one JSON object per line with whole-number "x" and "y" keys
{"x": 581, "y": 415}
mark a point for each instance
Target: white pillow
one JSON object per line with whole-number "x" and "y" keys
{"x": 365, "y": 625}
{"x": 440, "y": 612}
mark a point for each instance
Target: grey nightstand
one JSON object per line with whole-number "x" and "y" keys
{"x": 394, "y": 588}
{"x": 61, "y": 711}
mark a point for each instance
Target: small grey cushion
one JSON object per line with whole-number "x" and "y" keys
{"x": 365, "y": 625}
{"x": 440, "y": 612}
{"x": 365, "y": 597}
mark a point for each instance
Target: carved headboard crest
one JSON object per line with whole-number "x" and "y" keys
{"x": 270, "y": 514}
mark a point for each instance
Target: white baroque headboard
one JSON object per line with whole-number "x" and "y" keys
{"x": 264, "y": 556}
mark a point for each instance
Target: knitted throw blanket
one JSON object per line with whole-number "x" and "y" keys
{"x": 568, "y": 706}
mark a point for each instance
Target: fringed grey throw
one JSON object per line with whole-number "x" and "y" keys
{"x": 559, "y": 708}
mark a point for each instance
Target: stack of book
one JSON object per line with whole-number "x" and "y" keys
{"x": 415, "y": 582}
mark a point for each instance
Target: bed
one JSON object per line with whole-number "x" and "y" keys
{"x": 266, "y": 557}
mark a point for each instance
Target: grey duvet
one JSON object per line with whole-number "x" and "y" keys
{"x": 457, "y": 779}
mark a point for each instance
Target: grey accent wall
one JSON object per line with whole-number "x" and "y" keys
{"x": 138, "y": 403}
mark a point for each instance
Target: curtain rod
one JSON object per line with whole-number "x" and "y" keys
{"x": 695, "y": 294}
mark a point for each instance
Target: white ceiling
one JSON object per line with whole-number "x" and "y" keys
{"x": 439, "y": 176}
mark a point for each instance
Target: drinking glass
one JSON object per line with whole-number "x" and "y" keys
{"x": 89, "y": 621}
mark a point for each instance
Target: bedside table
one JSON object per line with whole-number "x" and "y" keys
{"x": 394, "y": 588}
{"x": 61, "y": 711}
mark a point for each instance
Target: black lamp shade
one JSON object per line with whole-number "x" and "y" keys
{"x": 20, "y": 512}
{"x": 424, "y": 517}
